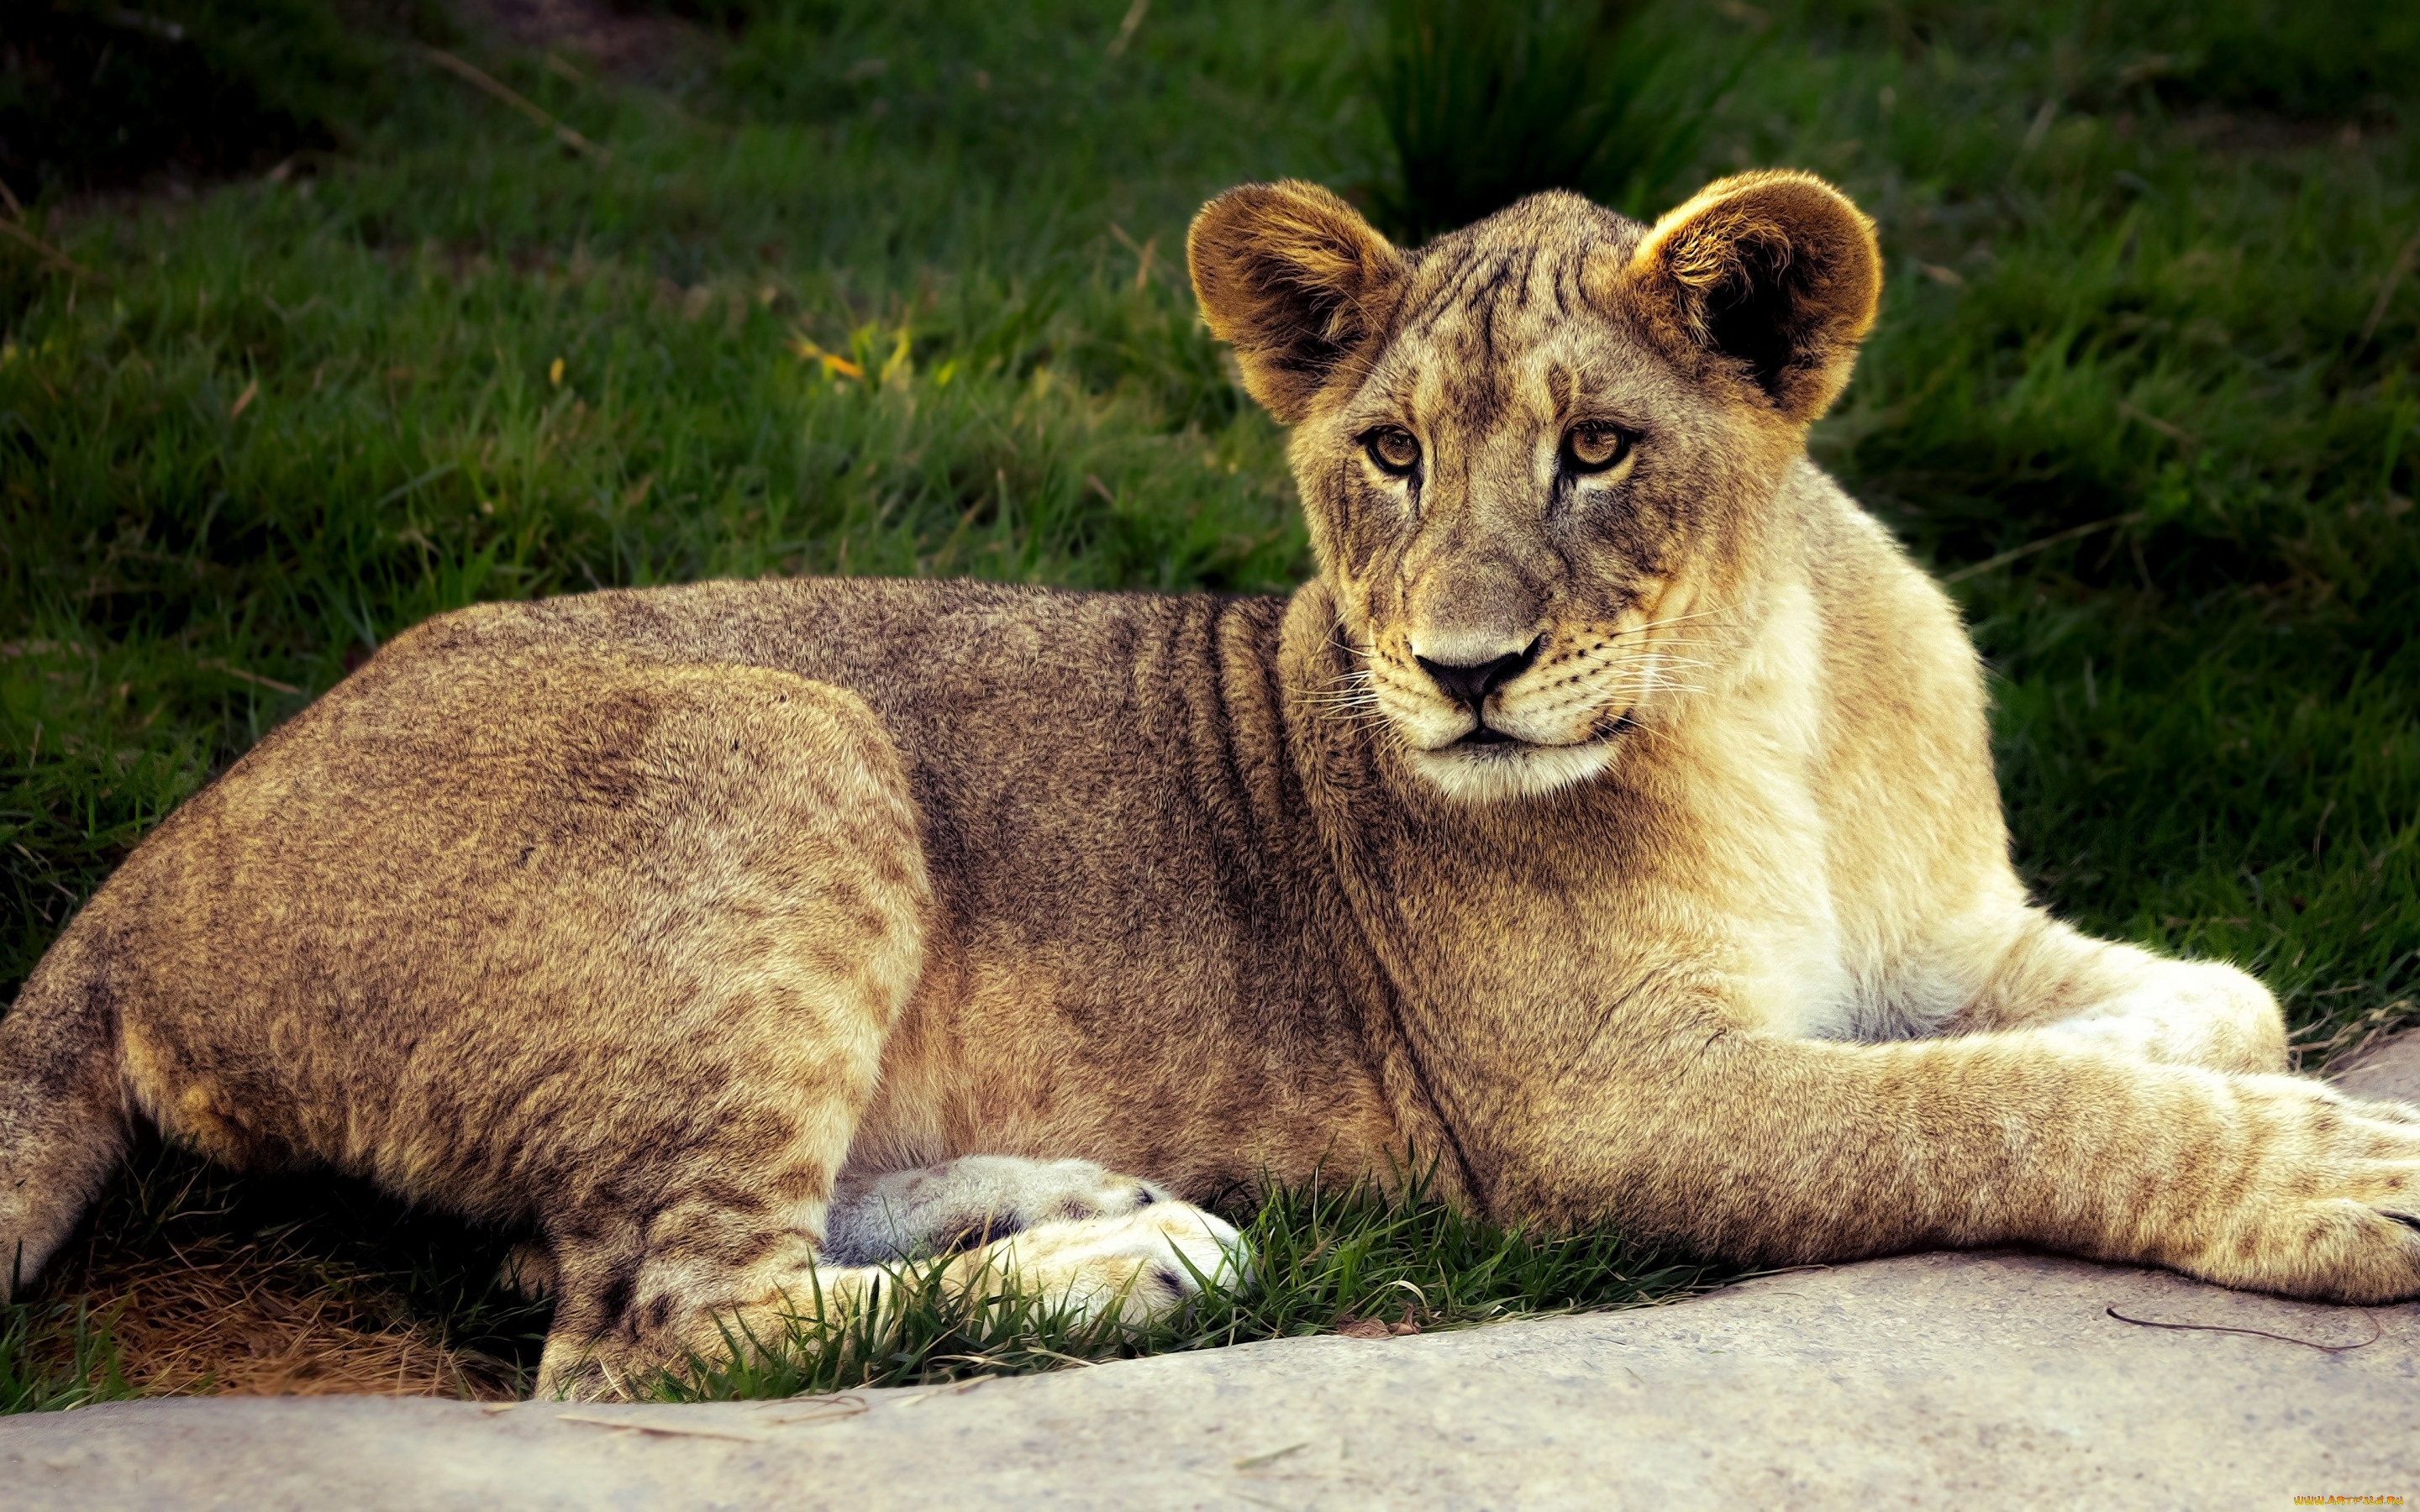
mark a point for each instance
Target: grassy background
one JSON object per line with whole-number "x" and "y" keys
{"x": 898, "y": 287}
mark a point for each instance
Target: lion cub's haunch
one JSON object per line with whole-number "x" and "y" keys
{"x": 1611, "y": 818}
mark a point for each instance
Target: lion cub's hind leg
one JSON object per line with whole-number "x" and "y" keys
{"x": 2058, "y": 981}
{"x": 728, "y": 953}
{"x": 1068, "y": 1232}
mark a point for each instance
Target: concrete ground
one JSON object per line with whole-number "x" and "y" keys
{"x": 1993, "y": 1379}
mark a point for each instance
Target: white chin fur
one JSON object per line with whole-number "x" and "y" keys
{"x": 1487, "y": 774}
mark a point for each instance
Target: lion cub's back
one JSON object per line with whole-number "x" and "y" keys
{"x": 1086, "y": 764}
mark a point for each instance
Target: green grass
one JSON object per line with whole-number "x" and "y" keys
{"x": 57, "y": 1355}
{"x": 1321, "y": 1256}
{"x": 898, "y": 288}
{"x": 1486, "y": 101}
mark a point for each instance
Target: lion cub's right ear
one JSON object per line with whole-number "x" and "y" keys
{"x": 1295, "y": 280}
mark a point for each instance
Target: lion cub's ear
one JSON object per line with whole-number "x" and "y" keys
{"x": 1776, "y": 271}
{"x": 1295, "y": 280}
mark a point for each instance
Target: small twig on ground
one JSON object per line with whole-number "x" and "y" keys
{"x": 2165, "y": 428}
{"x": 2040, "y": 127}
{"x": 1143, "y": 251}
{"x": 664, "y": 1430}
{"x": 1264, "y": 1462}
{"x": 8, "y": 197}
{"x": 1127, "y": 27}
{"x": 48, "y": 253}
{"x": 2377, "y": 1332}
{"x": 1032, "y": 1348}
{"x": 2027, "y": 550}
{"x": 483, "y": 80}
{"x": 2403, "y": 261}
{"x": 837, "y": 1408}
{"x": 216, "y": 665}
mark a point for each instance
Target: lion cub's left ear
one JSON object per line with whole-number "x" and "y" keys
{"x": 1296, "y": 281}
{"x": 1776, "y": 271}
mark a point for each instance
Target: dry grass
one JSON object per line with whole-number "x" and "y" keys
{"x": 262, "y": 1319}
{"x": 247, "y": 1323}
{"x": 190, "y": 1281}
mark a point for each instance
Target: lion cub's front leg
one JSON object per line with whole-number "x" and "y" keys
{"x": 2318, "y": 1192}
{"x": 2052, "y": 977}
{"x": 1774, "y": 1149}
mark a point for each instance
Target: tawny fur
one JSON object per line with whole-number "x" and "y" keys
{"x": 651, "y": 918}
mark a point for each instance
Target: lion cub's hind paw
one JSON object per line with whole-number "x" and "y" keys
{"x": 1142, "y": 1267}
{"x": 966, "y": 1203}
{"x": 1068, "y": 1232}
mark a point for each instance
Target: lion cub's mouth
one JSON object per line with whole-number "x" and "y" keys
{"x": 1483, "y": 733}
{"x": 1485, "y": 736}
{"x": 1488, "y": 765}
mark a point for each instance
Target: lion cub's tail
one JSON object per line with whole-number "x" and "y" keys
{"x": 63, "y": 1112}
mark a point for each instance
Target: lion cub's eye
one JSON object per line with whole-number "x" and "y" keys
{"x": 1394, "y": 449}
{"x": 1593, "y": 447}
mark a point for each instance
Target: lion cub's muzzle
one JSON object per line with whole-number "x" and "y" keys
{"x": 1472, "y": 683}
{"x": 1485, "y": 718}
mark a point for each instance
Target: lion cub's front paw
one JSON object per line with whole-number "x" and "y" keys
{"x": 2333, "y": 1211}
{"x": 1142, "y": 1267}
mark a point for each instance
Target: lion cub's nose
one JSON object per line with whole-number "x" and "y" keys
{"x": 1471, "y": 682}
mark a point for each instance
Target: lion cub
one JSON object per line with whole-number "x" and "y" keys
{"x": 1610, "y": 819}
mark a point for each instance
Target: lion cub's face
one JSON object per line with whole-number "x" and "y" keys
{"x": 1540, "y": 455}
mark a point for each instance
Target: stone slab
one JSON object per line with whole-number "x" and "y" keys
{"x": 2390, "y": 1068}
{"x": 1991, "y": 1379}
{"x": 1928, "y": 1381}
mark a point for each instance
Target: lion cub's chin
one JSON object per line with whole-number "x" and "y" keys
{"x": 1489, "y": 774}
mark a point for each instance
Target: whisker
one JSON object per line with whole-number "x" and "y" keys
{"x": 1337, "y": 638}
{"x": 1682, "y": 619}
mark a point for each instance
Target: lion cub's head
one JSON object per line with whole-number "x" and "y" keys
{"x": 1541, "y": 457}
